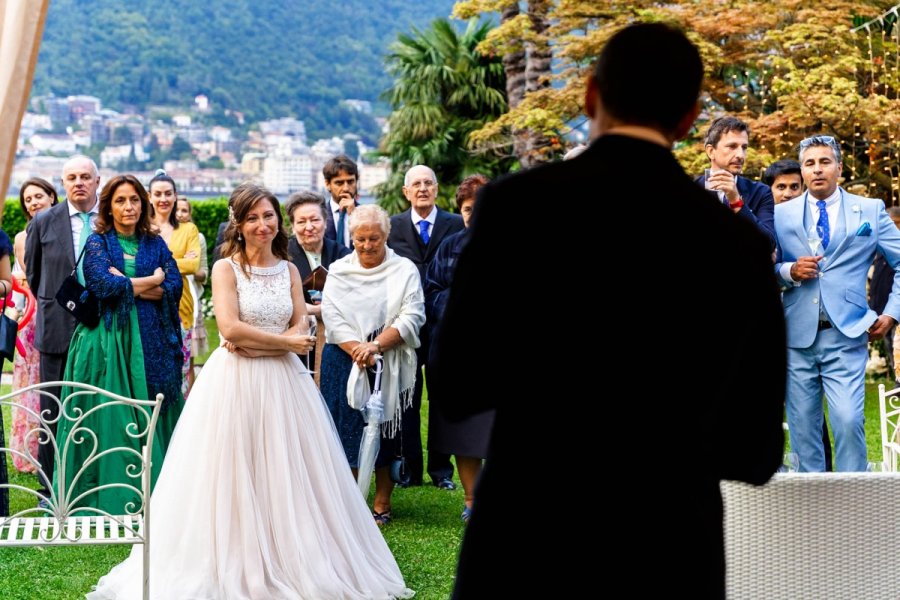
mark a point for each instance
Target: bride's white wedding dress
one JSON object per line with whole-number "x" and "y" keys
{"x": 255, "y": 499}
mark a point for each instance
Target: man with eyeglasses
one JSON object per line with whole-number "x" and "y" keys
{"x": 726, "y": 146}
{"x": 826, "y": 243}
{"x": 416, "y": 234}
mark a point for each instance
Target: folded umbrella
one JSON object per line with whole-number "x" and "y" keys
{"x": 371, "y": 437}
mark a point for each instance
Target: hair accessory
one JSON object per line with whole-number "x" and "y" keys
{"x": 159, "y": 172}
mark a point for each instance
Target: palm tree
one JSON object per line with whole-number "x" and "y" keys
{"x": 443, "y": 91}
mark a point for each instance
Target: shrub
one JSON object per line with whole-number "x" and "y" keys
{"x": 13, "y": 217}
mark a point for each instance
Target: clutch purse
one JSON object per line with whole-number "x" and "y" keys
{"x": 77, "y": 300}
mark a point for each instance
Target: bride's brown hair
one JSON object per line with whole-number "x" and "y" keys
{"x": 243, "y": 199}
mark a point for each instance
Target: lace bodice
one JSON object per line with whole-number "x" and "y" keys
{"x": 264, "y": 300}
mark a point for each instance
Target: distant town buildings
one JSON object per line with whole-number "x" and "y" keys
{"x": 207, "y": 160}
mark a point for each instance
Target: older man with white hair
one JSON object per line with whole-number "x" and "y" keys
{"x": 55, "y": 238}
{"x": 416, "y": 234}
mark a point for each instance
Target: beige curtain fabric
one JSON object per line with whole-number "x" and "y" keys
{"x": 21, "y": 28}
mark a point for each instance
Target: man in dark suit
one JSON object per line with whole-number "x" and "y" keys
{"x": 879, "y": 290}
{"x": 416, "y": 234}
{"x": 55, "y": 238}
{"x": 341, "y": 180}
{"x": 695, "y": 271}
{"x": 726, "y": 146}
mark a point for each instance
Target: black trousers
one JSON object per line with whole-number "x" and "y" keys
{"x": 53, "y": 368}
{"x": 439, "y": 465}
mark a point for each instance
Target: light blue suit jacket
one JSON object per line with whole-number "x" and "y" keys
{"x": 841, "y": 287}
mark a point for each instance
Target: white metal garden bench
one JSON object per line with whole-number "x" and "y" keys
{"x": 889, "y": 411}
{"x": 66, "y": 520}
{"x": 813, "y": 536}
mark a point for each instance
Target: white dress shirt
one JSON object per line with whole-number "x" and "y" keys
{"x": 432, "y": 216}
{"x": 76, "y": 223}
{"x": 336, "y": 213}
{"x": 832, "y": 209}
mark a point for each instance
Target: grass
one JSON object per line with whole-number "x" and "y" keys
{"x": 424, "y": 537}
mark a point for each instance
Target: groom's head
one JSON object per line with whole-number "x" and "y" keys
{"x": 648, "y": 74}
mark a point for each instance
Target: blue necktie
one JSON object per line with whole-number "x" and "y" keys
{"x": 823, "y": 223}
{"x": 82, "y": 240}
{"x": 423, "y": 231}
{"x": 340, "y": 227}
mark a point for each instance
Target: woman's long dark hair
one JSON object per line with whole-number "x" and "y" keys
{"x": 161, "y": 176}
{"x": 243, "y": 199}
{"x": 105, "y": 223}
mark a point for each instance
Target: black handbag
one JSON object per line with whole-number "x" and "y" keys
{"x": 9, "y": 328}
{"x": 77, "y": 299}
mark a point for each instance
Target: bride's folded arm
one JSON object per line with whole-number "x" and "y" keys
{"x": 242, "y": 335}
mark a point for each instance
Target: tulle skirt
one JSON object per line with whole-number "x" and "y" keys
{"x": 256, "y": 500}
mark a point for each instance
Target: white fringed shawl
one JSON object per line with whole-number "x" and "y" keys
{"x": 357, "y": 302}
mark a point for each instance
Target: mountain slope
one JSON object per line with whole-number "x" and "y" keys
{"x": 264, "y": 58}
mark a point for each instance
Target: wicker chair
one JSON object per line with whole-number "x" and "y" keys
{"x": 813, "y": 535}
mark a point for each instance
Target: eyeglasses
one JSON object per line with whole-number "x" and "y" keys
{"x": 425, "y": 183}
{"x": 818, "y": 140}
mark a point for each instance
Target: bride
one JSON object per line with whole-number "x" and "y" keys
{"x": 255, "y": 500}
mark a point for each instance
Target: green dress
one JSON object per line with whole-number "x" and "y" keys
{"x": 112, "y": 360}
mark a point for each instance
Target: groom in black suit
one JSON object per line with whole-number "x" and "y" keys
{"x": 416, "y": 234}
{"x": 695, "y": 273}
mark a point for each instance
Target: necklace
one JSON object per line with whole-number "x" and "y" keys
{"x": 129, "y": 243}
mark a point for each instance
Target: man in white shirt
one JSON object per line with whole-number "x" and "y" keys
{"x": 341, "y": 181}
{"x": 55, "y": 238}
{"x": 416, "y": 234}
{"x": 827, "y": 240}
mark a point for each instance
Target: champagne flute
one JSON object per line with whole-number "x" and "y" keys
{"x": 707, "y": 173}
{"x": 310, "y": 325}
{"x": 814, "y": 236}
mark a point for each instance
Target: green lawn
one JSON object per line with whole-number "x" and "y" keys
{"x": 424, "y": 536}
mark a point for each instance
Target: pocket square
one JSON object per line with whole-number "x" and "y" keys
{"x": 864, "y": 229}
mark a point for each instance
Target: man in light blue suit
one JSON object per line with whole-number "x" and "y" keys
{"x": 826, "y": 243}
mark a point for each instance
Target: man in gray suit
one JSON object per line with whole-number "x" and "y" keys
{"x": 55, "y": 237}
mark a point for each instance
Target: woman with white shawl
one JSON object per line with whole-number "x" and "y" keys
{"x": 372, "y": 305}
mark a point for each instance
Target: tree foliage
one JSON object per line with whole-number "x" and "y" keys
{"x": 443, "y": 91}
{"x": 790, "y": 68}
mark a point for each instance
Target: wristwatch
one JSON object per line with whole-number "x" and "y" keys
{"x": 378, "y": 344}
{"x": 739, "y": 203}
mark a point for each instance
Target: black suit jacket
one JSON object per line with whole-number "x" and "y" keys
{"x": 759, "y": 204}
{"x": 405, "y": 240}
{"x": 695, "y": 277}
{"x": 881, "y": 284}
{"x": 331, "y": 251}
{"x": 330, "y": 227}
{"x": 49, "y": 259}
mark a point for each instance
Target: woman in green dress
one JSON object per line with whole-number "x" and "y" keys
{"x": 135, "y": 351}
